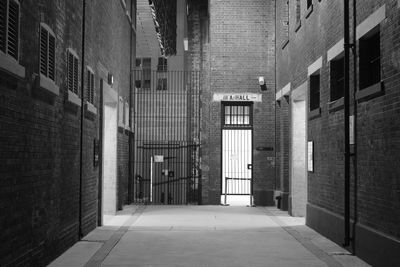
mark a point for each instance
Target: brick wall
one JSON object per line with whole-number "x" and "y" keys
{"x": 232, "y": 48}
{"x": 283, "y": 107}
{"x": 40, "y": 144}
{"x": 375, "y": 190}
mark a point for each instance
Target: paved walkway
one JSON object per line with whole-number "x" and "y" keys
{"x": 205, "y": 236}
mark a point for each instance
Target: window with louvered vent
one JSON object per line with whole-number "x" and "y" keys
{"x": 90, "y": 86}
{"x": 3, "y": 24}
{"x": 47, "y": 51}
{"x": 73, "y": 63}
{"x": 9, "y": 27}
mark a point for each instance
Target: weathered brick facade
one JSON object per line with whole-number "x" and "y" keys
{"x": 232, "y": 43}
{"x": 374, "y": 167}
{"x": 40, "y": 130}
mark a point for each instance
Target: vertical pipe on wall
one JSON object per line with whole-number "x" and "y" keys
{"x": 276, "y": 75}
{"x": 82, "y": 118}
{"x": 355, "y": 124}
{"x": 347, "y": 47}
{"x": 130, "y": 170}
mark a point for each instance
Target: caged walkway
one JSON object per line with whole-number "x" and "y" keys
{"x": 205, "y": 236}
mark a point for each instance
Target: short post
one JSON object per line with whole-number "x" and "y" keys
{"x": 151, "y": 178}
{"x": 226, "y": 188}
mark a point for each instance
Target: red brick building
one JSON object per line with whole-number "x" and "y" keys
{"x": 269, "y": 128}
{"x": 232, "y": 44}
{"x": 51, "y": 70}
{"x": 310, "y": 121}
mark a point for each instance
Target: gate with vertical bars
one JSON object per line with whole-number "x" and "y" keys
{"x": 167, "y": 137}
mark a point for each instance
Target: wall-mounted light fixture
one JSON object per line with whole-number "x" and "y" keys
{"x": 261, "y": 82}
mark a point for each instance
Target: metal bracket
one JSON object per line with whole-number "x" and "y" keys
{"x": 351, "y": 46}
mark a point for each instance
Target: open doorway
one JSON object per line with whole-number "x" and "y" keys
{"x": 237, "y": 147}
{"x": 298, "y": 170}
{"x": 109, "y": 153}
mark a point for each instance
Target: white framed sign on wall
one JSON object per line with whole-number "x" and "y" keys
{"x": 310, "y": 156}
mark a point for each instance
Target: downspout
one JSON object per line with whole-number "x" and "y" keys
{"x": 276, "y": 75}
{"x": 130, "y": 108}
{"x": 82, "y": 118}
{"x": 355, "y": 201}
{"x": 347, "y": 47}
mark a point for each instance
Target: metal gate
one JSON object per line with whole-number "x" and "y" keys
{"x": 237, "y": 153}
{"x": 167, "y": 137}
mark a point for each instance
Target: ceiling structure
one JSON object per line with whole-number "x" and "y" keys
{"x": 156, "y": 25}
{"x": 147, "y": 41}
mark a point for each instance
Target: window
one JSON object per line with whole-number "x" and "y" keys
{"x": 146, "y": 65}
{"x": 138, "y": 63}
{"x": 162, "y": 64}
{"x": 298, "y": 11}
{"x": 337, "y": 79}
{"x": 72, "y": 65}
{"x": 47, "y": 51}
{"x": 90, "y": 86}
{"x": 121, "y": 118}
{"x": 314, "y": 91}
{"x": 237, "y": 115}
{"x": 162, "y": 84}
{"x": 370, "y": 60}
{"x": 309, "y": 3}
{"x": 126, "y": 115}
{"x": 9, "y": 27}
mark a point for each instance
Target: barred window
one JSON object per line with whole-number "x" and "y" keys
{"x": 73, "y": 64}
{"x": 9, "y": 27}
{"x": 162, "y": 64}
{"x": 47, "y": 51}
{"x": 237, "y": 115}
{"x": 90, "y": 86}
{"x": 146, "y": 66}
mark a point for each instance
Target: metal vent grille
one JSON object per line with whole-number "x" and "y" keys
{"x": 70, "y": 72}
{"x": 43, "y": 50}
{"x": 3, "y": 22}
{"x": 75, "y": 75}
{"x": 13, "y": 29}
{"x": 52, "y": 53}
{"x": 90, "y": 87}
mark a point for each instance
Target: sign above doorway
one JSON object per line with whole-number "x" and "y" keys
{"x": 244, "y": 97}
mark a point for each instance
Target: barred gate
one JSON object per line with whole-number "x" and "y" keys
{"x": 167, "y": 137}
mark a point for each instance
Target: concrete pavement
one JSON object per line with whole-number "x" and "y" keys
{"x": 205, "y": 236}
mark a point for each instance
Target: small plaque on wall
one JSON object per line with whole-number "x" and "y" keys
{"x": 310, "y": 156}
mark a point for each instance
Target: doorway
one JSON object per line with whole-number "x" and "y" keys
{"x": 298, "y": 171}
{"x": 237, "y": 143}
{"x": 109, "y": 153}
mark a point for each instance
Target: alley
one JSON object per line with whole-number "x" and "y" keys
{"x": 205, "y": 236}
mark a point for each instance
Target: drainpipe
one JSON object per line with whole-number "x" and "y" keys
{"x": 347, "y": 47}
{"x": 276, "y": 75}
{"x": 130, "y": 108}
{"x": 355, "y": 190}
{"x": 82, "y": 118}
